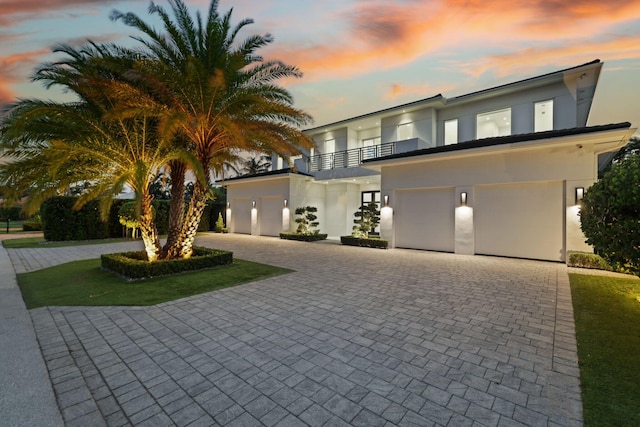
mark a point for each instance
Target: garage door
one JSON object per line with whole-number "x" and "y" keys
{"x": 522, "y": 220}
{"x": 424, "y": 219}
{"x": 241, "y": 216}
{"x": 270, "y": 216}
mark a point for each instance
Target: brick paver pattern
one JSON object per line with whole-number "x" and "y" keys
{"x": 354, "y": 336}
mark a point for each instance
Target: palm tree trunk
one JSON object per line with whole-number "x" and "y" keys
{"x": 148, "y": 229}
{"x": 192, "y": 220}
{"x": 171, "y": 248}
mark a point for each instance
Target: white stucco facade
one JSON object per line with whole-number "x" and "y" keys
{"x": 519, "y": 184}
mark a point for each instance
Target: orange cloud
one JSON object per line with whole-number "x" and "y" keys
{"x": 624, "y": 47}
{"x": 397, "y": 90}
{"x": 385, "y": 35}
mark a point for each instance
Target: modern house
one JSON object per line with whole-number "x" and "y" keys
{"x": 497, "y": 172}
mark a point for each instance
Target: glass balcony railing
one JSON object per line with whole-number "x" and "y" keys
{"x": 349, "y": 158}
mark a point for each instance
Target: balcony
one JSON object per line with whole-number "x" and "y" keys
{"x": 349, "y": 158}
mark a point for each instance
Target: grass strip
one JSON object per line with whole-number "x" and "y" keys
{"x": 39, "y": 242}
{"x": 83, "y": 283}
{"x": 607, "y": 316}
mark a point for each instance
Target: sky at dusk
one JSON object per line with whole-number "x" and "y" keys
{"x": 359, "y": 56}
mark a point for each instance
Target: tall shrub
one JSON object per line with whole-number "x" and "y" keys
{"x": 610, "y": 215}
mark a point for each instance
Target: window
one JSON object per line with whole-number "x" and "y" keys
{"x": 451, "y": 132}
{"x": 370, "y": 148}
{"x": 330, "y": 146}
{"x": 543, "y": 116}
{"x": 493, "y": 123}
{"x": 405, "y": 131}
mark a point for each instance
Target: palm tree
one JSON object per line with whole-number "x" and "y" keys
{"x": 252, "y": 165}
{"x": 213, "y": 91}
{"x": 55, "y": 145}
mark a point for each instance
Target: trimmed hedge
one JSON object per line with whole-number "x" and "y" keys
{"x": 590, "y": 260}
{"x": 13, "y": 212}
{"x": 303, "y": 237}
{"x": 134, "y": 265}
{"x": 31, "y": 226}
{"x": 369, "y": 243}
{"x": 61, "y": 222}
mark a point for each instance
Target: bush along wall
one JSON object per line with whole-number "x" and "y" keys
{"x": 363, "y": 241}
{"x": 61, "y": 222}
{"x": 314, "y": 237}
{"x": 134, "y": 265}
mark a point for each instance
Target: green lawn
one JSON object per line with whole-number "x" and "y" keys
{"x": 39, "y": 242}
{"x": 82, "y": 283}
{"x": 607, "y": 314}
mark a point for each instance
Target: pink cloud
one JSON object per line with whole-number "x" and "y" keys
{"x": 385, "y": 35}
{"x": 13, "y": 12}
{"x": 12, "y": 71}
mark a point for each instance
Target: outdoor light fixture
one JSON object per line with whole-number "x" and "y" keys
{"x": 579, "y": 194}
{"x": 386, "y": 200}
{"x": 463, "y": 198}
{"x": 228, "y": 205}
{"x": 253, "y": 204}
{"x": 285, "y": 203}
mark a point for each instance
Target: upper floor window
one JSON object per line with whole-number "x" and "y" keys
{"x": 493, "y": 123}
{"x": 543, "y": 116}
{"x": 451, "y": 132}
{"x": 405, "y": 131}
{"x": 330, "y": 146}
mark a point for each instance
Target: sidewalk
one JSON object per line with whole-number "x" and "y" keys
{"x": 26, "y": 396}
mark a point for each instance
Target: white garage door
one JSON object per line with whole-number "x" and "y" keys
{"x": 241, "y": 216}
{"x": 270, "y": 216}
{"x": 424, "y": 219}
{"x": 522, "y": 220}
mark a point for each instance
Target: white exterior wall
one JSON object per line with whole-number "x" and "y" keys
{"x": 240, "y": 196}
{"x": 572, "y": 165}
{"x": 423, "y": 126}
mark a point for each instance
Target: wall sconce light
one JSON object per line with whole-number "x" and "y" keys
{"x": 253, "y": 204}
{"x": 386, "y": 201}
{"x": 228, "y": 205}
{"x": 285, "y": 203}
{"x": 463, "y": 198}
{"x": 579, "y": 195}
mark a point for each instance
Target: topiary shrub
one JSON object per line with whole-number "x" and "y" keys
{"x": 366, "y": 220}
{"x": 364, "y": 242}
{"x": 307, "y": 223}
{"x": 220, "y": 227}
{"x": 610, "y": 215}
{"x": 134, "y": 265}
{"x": 303, "y": 237}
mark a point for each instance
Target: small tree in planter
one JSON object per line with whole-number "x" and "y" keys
{"x": 307, "y": 220}
{"x": 367, "y": 219}
{"x": 307, "y": 226}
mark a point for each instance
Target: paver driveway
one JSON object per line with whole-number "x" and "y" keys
{"x": 355, "y": 336}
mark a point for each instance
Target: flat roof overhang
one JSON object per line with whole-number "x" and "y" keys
{"x": 602, "y": 138}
